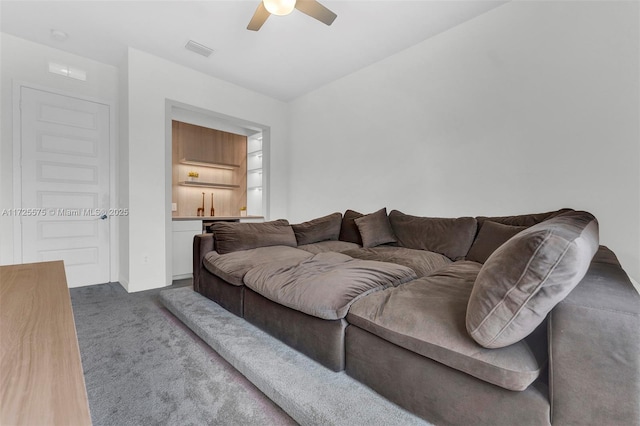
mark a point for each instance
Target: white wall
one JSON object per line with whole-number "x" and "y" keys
{"x": 123, "y": 175}
{"x": 151, "y": 82}
{"x": 530, "y": 107}
{"x": 27, "y": 62}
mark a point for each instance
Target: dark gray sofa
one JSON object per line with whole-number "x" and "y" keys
{"x": 409, "y": 337}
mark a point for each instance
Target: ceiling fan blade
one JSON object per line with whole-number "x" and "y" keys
{"x": 259, "y": 17}
{"x": 316, "y": 10}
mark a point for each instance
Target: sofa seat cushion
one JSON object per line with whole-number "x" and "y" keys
{"x": 427, "y": 316}
{"x": 324, "y": 285}
{"x": 422, "y": 262}
{"x": 232, "y": 267}
{"x": 326, "y": 246}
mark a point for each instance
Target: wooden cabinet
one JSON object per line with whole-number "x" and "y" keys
{"x": 209, "y": 146}
{"x": 220, "y": 161}
{"x": 40, "y": 365}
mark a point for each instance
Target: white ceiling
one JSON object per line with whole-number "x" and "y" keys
{"x": 288, "y": 57}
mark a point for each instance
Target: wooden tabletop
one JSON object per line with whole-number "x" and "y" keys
{"x": 41, "y": 379}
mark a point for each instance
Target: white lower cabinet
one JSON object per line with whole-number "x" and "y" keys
{"x": 183, "y": 233}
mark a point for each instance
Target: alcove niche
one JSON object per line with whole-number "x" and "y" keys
{"x": 217, "y": 155}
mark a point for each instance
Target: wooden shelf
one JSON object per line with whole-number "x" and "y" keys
{"x": 208, "y": 185}
{"x": 209, "y": 164}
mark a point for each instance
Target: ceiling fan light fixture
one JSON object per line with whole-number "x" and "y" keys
{"x": 279, "y": 7}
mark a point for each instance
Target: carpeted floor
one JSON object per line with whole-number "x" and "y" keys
{"x": 309, "y": 392}
{"x": 144, "y": 367}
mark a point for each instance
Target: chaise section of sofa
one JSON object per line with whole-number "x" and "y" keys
{"x": 398, "y": 315}
{"x": 304, "y": 303}
{"x": 220, "y": 262}
{"x": 228, "y": 296}
{"x": 419, "y": 355}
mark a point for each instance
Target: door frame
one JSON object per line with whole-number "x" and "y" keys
{"x": 17, "y": 168}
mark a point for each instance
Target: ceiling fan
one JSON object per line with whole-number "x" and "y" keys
{"x": 285, "y": 7}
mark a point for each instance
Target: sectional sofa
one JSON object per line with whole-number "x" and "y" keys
{"x": 474, "y": 320}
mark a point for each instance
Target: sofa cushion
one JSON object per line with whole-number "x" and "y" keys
{"x": 348, "y": 230}
{"x": 325, "y": 246}
{"x": 233, "y": 236}
{"x": 449, "y": 236}
{"x": 521, "y": 220}
{"x": 427, "y": 316}
{"x": 232, "y": 267}
{"x": 324, "y": 285}
{"x": 375, "y": 229}
{"x": 422, "y": 262}
{"x": 491, "y": 236}
{"x": 321, "y": 229}
{"x": 528, "y": 275}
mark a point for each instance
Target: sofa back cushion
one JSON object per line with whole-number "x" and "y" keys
{"x": 348, "y": 230}
{"x": 449, "y": 236}
{"x": 527, "y": 276}
{"x": 521, "y": 220}
{"x": 233, "y": 236}
{"x": 490, "y": 237}
{"x": 324, "y": 228}
{"x": 375, "y": 229}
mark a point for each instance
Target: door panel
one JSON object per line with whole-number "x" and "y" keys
{"x": 65, "y": 178}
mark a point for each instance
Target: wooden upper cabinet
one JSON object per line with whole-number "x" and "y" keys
{"x": 197, "y": 143}
{"x": 190, "y": 141}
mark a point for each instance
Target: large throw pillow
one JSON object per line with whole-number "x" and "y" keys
{"x": 234, "y": 236}
{"x": 449, "y": 236}
{"x": 491, "y": 236}
{"x": 375, "y": 229}
{"x": 527, "y": 276}
{"x": 348, "y": 230}
{"x": 321, "y": 229}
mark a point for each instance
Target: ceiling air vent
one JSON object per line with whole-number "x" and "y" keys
{"x": 198, "y": 48}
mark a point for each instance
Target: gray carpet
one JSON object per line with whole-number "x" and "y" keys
{"x": 144, "y": 367}
{"x": 308, "y": 392}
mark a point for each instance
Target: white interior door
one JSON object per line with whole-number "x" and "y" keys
{"x": 65, "y": 184}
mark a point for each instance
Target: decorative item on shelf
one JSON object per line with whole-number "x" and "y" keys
{"x": 213, "y": 212}
{"x": 201, "y": 209}
{"x": 243, "y": 211}
{"x": 193, "y": 176}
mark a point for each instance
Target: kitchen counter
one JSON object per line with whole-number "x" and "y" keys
{"x": 215, "y": 218}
